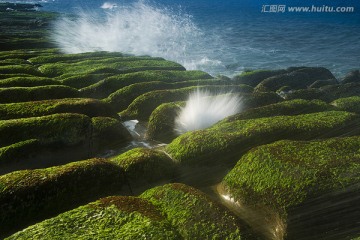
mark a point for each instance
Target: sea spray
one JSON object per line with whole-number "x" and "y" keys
{"x": 138, "y": 29}
{"x": 204, "y": 109}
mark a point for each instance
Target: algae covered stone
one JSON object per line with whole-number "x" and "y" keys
{"x": 28, "y": 196}
{"x": 145, "y": 166}
{"x": 193, "y": 213}
{"x": 291, "y": 184}
{"x": 228, "y": 141}
{"x": 108, "y": 218}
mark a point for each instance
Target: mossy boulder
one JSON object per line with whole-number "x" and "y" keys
{"x": 123, "y": 97}
{"x": 193, "y": 213}
{"x": 144, "y": 166}
{"x": 298, "y": 79}
{"x": 72, "y": 58}
{"x": 108, "y": 132}
{"x": 162, "y": 122}
{"x": 17, "y": 151}
{"x": 288, "y": 108}
{"x": 27, "y": 82}
{"x": 20, "y": 69}
{"x": 110, "y": 65}
{"x": 142, "y": 107}
{"x": 291, "y": 184}
{"x": 31, "y": 195}
{"x": 79, "y": 81}
{"x": 104, "y": 88}
{"x": 24, "y": 94}
{"x": 351, "y": 77}
{"x": 253, "y": 78}
{"x": 350, "y": 104}
{"x": 173, "y": 211}
{"x": 322, "y": 83}
{"x": 226, "y": 142}
{"x": 57, "y": 139}
{"x": 89, "y": 107}
{"x": 108, "y": 218}
{"x": 68, "y": 129}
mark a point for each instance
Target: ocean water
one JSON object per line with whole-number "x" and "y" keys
{"x": 217, "y": 36}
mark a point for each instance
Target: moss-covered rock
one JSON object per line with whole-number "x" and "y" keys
{"x": 31, "y": 195}
{"x": 253, "y": 78}
{"x": 108, "y": 132}
{"x": 20, "y": 69}
{"x": 24, "y": 94}
{"x": 17, "y": 151}
{"x": 144, "y": 166}
{"x": 71, "y": 58}
{"x": 192, "y": 213}
{"x": 83, "y": 80}
{"x": 27, "y": 82}
{"x": 228, "y": 141}
{"x": 115, "y": 66}
{"x": 322, "y": 83}
{"x": 288, "y": 108}
{"x": 110, "y": 85}
{"x": 273, "y": 176}
{"x": 297, "y": 79}
{"x": 123, "y": 97}
{"x": 350, "y": 104}
{"x": 108, "y": 218}
{"x": 351, "y": 77}
{"x": 142, "y": 107}
{"x": 89, "y": 107}
{"x": 162, "y": 122}
{"x": 68, "y": 129}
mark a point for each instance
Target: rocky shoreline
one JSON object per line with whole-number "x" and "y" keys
{"x": 286, "y": 167}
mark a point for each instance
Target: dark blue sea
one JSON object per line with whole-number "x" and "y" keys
{"x": 218, "y": 36}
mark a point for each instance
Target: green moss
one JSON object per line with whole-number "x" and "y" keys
{"x": 162, "y": 122}
{"x": 123, "y": 97}
{"x": 31, "y": 195}
{"x": 228, "y": 141}
{"x": 83, "y": 80}
{"x": 19, "y": 69}
{"x": 89, "y": 107}
{"x": 107, "y": 218}
{"x": 69, "y": 129}
{"x": 16, "y": 152}
{"x": 145, "y": 166}
{"x": 273, "y": 175}
{"x": 122, "y": 65}
{"x": 110, "y": 85}
{"x": 27, "y": 82}
{"x": 74, "y": 57}
{"x": 24, "y": 94}
{"x": 350, "y": 104}
{"x": 291, "y": 107}
{"x": 297, "y": 79}
{"x": 194, "y": 214}
{"x": 109, "y": 131}
{"x": 253, "y": 78}
{"x": 13, "y": 61}
{"x": 142, "y": 107}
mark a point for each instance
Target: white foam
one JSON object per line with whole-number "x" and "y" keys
{"x": 203, "y": 109}
{"x": 139, "y": 29}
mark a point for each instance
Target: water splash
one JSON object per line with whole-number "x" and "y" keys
{"x": 139, "y": 29}
{"x": 204, "y": 109}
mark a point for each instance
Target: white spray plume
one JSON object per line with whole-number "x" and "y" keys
{"x": 138, "y": 29}
{"x": 108, "y": 5}
{"x": 203, "y": 109}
